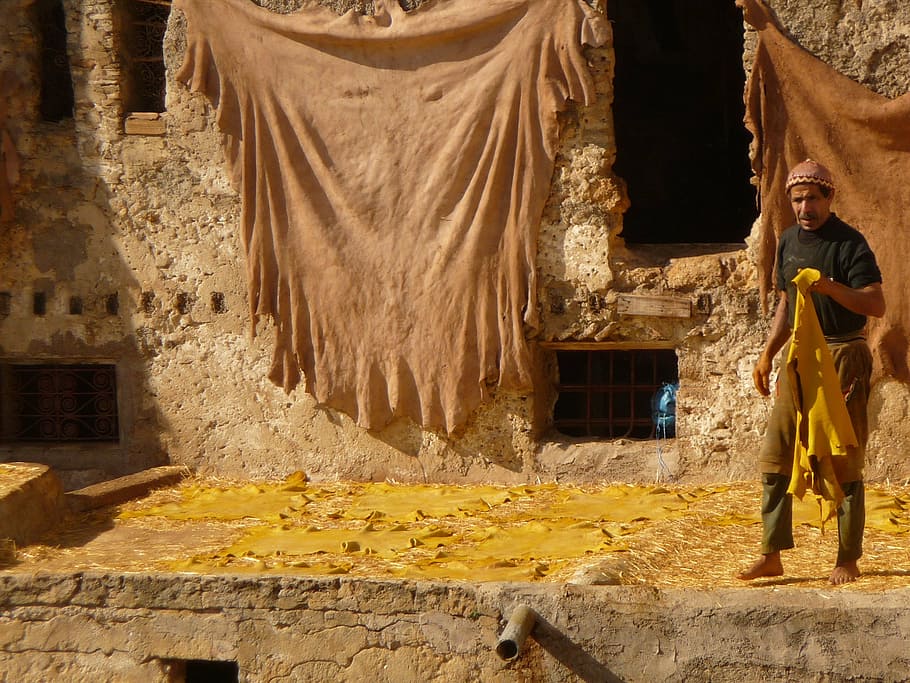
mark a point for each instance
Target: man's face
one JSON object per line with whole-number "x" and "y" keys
{"x": 811, "y": 207}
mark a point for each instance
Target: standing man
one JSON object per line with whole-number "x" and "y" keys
{"x": 848, "y": 291}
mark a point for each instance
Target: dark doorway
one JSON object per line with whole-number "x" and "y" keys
{"x": 678, "y": 111}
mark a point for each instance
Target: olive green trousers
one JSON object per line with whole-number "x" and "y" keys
{"x": 777, "y": 518}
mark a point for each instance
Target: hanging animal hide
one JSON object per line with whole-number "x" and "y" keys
{"x": 393, "y": 171}
{"x": 797, "y": 107}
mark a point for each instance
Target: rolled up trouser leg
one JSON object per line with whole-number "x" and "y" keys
{"x": 851, "y": 520}
{"x": 776, "y": 513}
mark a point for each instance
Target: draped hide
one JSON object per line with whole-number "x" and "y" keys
{"x": 393, "y": 171}
{"x": 797, "y": 107}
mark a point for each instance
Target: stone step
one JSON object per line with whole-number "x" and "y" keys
{"x": 31, "y": 501}
{"x": 123, "y": 488}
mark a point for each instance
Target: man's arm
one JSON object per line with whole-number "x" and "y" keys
{"x": 777, "y": 337}
{"x": 868, "y": 300}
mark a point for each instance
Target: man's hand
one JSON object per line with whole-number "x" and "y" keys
{"x": 761, "y": 375}
{"x": 777, "y": 337}
{"x": 868, "y": 300}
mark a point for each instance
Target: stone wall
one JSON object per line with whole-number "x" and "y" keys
{"x": 143, "y": 628}
{"x": 143, "y": 229}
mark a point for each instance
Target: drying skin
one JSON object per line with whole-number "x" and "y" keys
{"x": 797, "y": 107}
{"x": 822, "y": 422}
{"x": 393, "y": 171}
{"x": 540, "y": 533}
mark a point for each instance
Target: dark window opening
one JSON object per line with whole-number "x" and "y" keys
{"x": 58, "y": 403}
{"x": 183, "y": 303}
{"x": 203, "y": 671}
{"x": 608, "y": 394}
{"x": 144, "y": 23}
{"x": 147, "y": 302}
{"x": 218, "y": 303}
{"x": 56, "y": 100}
{"x": 112, "y": 304}
{"x": 39, "y": 303}
{"x": 678, "y": 112}
{"x": 75, "y": 305}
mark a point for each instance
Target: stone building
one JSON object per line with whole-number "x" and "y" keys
{"x": 126, "y": 342}
{"x": 123, "y": 280}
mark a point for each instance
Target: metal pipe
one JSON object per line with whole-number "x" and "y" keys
{"x": 520, "y": 625}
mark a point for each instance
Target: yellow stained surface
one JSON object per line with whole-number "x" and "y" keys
{"x": 477, "y": 533}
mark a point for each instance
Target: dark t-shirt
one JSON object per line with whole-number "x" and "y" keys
{"x": 836, "y": 250}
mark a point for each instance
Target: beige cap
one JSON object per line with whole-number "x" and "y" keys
{"x": 810, "y": 172}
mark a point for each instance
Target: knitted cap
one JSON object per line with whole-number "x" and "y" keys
{"x": 810, "y": 172}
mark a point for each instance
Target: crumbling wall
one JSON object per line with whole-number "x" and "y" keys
{"x": 135, "y": 627}
{"x": 144, "y": 229}
{"x": 67, "y": 239}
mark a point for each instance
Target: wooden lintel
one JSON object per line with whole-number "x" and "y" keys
{"x": 144, "y": 123}
{"x": 569, "y": 345}
{"x": 657, "y": 306}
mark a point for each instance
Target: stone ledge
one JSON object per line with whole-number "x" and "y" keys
{"x": 611, "y": 633}
{"x": 31, "y": 501}
{"x": 124, "y": 488}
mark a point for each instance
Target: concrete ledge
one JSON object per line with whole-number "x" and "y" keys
{"x": 124, "y": 488}
{"x": 286, "y": 628}
{"x": 31, "y": 501}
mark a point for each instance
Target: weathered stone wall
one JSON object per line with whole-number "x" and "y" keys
{"x": 97, "y": 627}
{"x": 151, "y": 220}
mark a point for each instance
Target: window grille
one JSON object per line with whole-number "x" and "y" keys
{"x": 145, "y": 22}
{"x": 607, "y": 394}
{"x": 60, "y": 403}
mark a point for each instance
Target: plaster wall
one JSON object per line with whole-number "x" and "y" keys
{"x": 137, "y": 627}
{"x": 151, "y": 220}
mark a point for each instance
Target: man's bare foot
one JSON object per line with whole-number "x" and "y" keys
{"x": 766, "y": 565}
{"x": 844, "y": 573}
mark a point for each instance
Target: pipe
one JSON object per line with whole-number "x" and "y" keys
{"x": 520, "y": 625}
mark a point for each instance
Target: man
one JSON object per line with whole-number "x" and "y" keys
{"x": 848, "y": 291}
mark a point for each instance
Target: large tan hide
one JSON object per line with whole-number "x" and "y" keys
{"x": 798, "y": 107}
{"x": 393, "y": 170}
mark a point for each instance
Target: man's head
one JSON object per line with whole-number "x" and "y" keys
{"x": 810, "y": 189}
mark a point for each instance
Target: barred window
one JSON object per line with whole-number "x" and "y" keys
{"x": 58, "y": 403}
{"x": 143, "y": 24}
{"x": 56, "y": 102}
{"x": 608, "y": 394}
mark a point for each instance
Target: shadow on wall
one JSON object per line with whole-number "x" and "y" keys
{"x": 571, "y": 655}
{"x": 70, "y": 293}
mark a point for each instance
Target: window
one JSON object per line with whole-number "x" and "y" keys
{"x": 142, "y": 27}
{"x": 203, "y": 671}
{"x": 678, "y": 111}
{"x": 58, "y": 403}
{"x": 56, "y": 102}
{"x": 608, "y": 393}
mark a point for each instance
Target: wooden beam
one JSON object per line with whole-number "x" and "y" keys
{"x": 144, "y": 123}
{"x": 656, "y": 306}
{"x": 606, "y": 345}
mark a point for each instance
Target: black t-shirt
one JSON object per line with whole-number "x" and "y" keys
{"x": 836, "y": 250}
